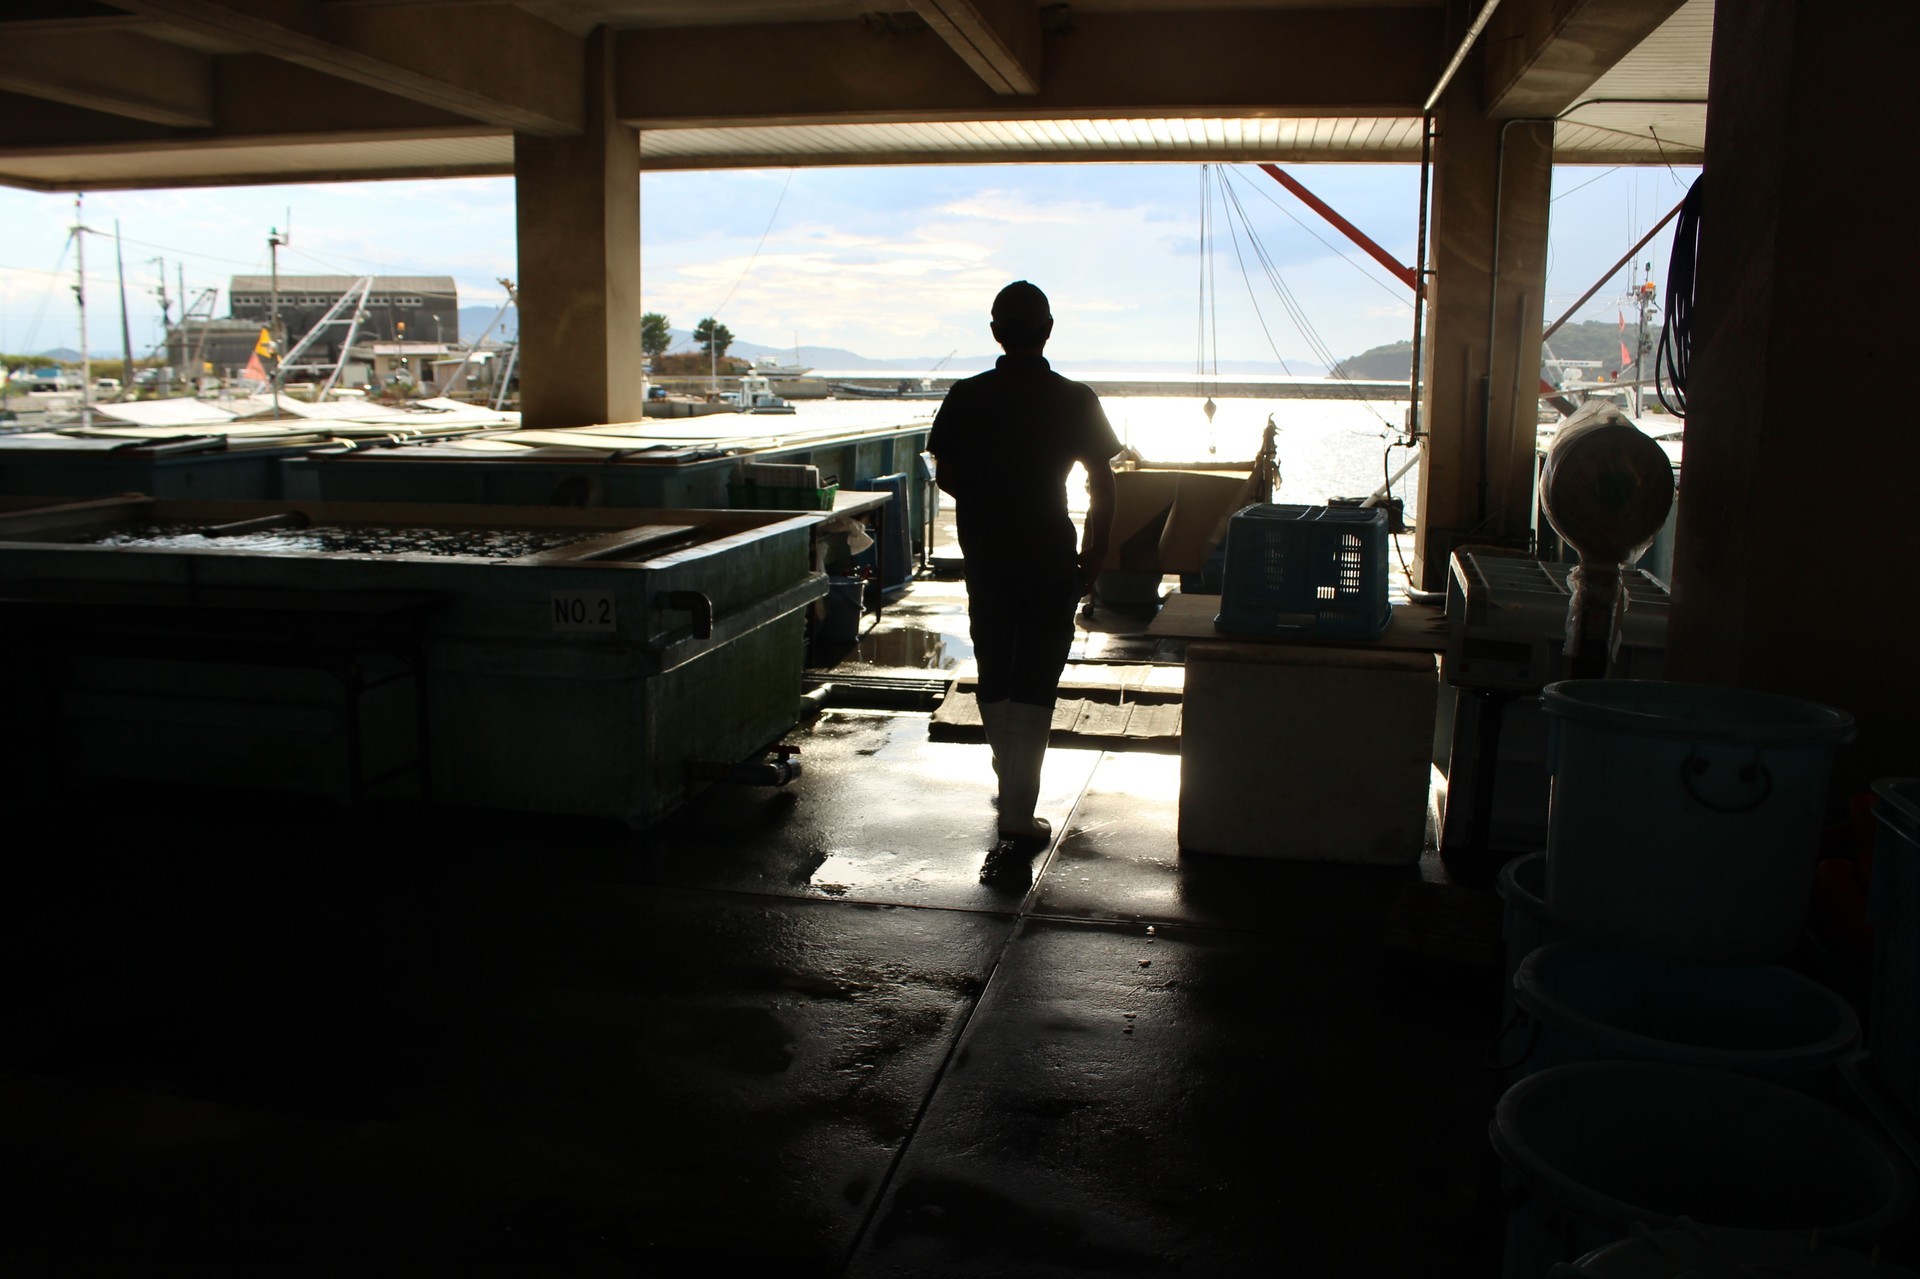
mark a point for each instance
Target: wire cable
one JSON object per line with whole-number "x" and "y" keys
{"x": 1674, "y": 356}
{"x": 1200, "y": 328}
{"x": 1605, "y": 173}
{"x": 757, "y": 247}
{"x": 1298, "y": 313}
{"x": 1390, "y": 290}
{"x": 1258, "y": 314}
{"x": 33, "y": 330}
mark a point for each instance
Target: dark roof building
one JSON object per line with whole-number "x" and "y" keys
{"x": 423, "y": 308}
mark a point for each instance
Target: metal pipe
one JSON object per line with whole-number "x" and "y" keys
{"x": 762, "y": 772}
{"x": 286, "y": 519}
{"x": 1420, "y": 276}
{"x": 1460, "y": 55}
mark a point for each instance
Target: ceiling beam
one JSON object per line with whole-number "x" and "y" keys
{"x": 118, "y": 72}
{"x": 493, "y": 63}
{"x": 253, "y": 100}
{"x": 1270, "y": 62}
{"x": 999, "y": 39}
{"x": 1543, "y": 55}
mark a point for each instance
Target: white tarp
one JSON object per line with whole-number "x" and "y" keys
{"x": 174, "y": 412}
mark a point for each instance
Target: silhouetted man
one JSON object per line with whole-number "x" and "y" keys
{"x": 1005, "y": 442}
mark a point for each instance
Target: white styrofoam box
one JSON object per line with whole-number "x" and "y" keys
{"x": 781, "y": 474}
{"x": 1307, "y": 753}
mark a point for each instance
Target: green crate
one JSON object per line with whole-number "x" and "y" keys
{"x": 766, "y": 497}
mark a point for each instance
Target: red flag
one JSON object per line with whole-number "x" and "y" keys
{"x": 1626, "y": 357}
{"x": 255, "y": 371}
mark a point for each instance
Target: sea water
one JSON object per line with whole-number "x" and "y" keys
{"x": 1326, "y": 448}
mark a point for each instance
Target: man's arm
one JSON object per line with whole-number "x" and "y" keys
{"x": 1099, "y": 525}
{"x": 946, "y": 452}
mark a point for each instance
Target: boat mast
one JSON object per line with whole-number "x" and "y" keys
{"x": 126, "y": 333}
{"x": 1644, "y": 295}
{"x": 80, "y": 294}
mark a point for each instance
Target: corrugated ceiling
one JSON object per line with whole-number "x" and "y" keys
{"x": 1005, "y": 141}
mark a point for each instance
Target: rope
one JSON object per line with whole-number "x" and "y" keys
{"x": 1200, "y": 330}
{"x": 1675, "y": 354}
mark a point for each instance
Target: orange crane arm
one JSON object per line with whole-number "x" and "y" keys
{"x": 1400, "y": 272}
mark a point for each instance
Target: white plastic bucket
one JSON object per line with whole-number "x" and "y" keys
{"x": 1893, "y": 1032}
{"x": 1717, "y": 1254}
{"x": 1685, "y": 818}
{"x": 1593, "y": 1149}
{"x": 1587, "y": 1003}
{"x": 1526, "y": 925}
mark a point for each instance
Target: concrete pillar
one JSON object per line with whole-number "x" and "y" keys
{"x": 1793, "y": 567}
{"x": 578, "y": 204}
{"x": 1484, "y": 299}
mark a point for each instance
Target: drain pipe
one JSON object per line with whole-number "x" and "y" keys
{"x": 784, "y": 767}
{"x": 813, "y": 701}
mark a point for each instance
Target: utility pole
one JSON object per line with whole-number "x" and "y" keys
{"x": 166, "y": 320}
{"x": 160, "y": 294}
{"x": 80, "y": 295}
{"x": 126, "y": 331}
{"x": 274, "y": 241}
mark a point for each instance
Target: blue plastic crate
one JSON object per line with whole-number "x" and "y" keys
{"x": 1306, "y": 570}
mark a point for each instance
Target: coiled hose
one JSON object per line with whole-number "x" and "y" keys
{"x": 1671, "y": 361}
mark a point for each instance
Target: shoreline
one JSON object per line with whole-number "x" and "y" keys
{"x": 1184, "y": 388}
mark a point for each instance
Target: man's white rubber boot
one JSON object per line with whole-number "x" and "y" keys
{"x": 993, "y": 720}
{"x": 1023, "y": 754}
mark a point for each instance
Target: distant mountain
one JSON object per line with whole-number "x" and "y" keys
{"x": 474, "y": 321}
{"x": 68, "y": 355}
{"x": 1588, "y": 340}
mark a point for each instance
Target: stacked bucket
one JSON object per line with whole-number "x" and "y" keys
{"x": 1676, "y": 1093}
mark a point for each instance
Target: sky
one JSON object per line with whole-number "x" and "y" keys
{"x": 885, "y": 262}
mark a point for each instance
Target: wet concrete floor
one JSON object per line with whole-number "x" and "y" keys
{"x": 790, "y": 1031}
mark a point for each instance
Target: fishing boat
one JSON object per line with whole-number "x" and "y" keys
{"x": 768, "y": 367}
{"x": 906, "y": 389}
{"x": 756, "y": 396}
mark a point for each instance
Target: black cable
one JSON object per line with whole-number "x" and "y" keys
{"x": 1386, "y": 486}
{"x": 1674, "y": 356}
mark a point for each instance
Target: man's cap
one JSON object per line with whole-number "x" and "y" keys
{"x": 1022, "y": 304}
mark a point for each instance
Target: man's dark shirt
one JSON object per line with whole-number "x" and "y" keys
{"x": 1004, "y": 442}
